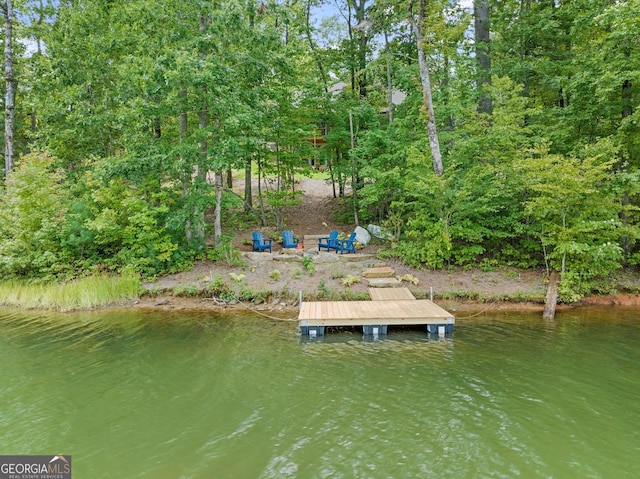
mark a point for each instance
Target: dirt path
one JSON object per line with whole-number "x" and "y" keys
{"x": 315, "y": 214}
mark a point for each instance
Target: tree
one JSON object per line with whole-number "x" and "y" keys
{"x": 483, "y": 53}
{"x": 10, "y": 86}
{"x": 417, "y": 25}
{"x": 575, "y": 208}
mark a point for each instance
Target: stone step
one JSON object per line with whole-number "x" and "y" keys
{"x": 379, "y": 272}
{"x": 384, "y": 282}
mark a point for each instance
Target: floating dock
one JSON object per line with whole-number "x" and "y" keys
{"x": 388, "y": 307}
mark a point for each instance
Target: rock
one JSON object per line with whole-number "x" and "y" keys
{"x": 362, "y": 235}
{"x": 358, "y": 257}
{"x": 253, "y": 256}
{"x": 290, "y": 256}
{"x": 379, "y": 232}
{"x": 381, "y": 272}
{"x": 384, "y": 282}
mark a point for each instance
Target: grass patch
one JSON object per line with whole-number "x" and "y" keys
{"x": 186, "y": 291}
{"x": 257, "y": 296}
{"x": 484, "y": 298}
{"x": 85, "y": 293}
{"x": 336, "y": 273}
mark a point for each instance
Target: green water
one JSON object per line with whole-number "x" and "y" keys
{"x": 169, "y": 396}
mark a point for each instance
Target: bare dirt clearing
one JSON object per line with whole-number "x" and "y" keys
{"x": 282, "y": 275}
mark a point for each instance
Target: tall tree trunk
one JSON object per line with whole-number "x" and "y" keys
{"x": 10, "y": 85}
{"x": 389, "y": 83}
{"x": 483, "y": 54}
{"x": 217, "y": 218}
{"x": 416, "y": 25}
{"x": 263, "y": 214}
{"x": 248, "y": 192}
{"x": 354, "y": 192}
{"x": 229, "y": 179}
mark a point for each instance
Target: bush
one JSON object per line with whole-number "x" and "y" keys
{"x": 226, "y": 253}
{"x": 307, "y": 262}
{"x": 32, "y": 218}
{"x": 350, "y": 280}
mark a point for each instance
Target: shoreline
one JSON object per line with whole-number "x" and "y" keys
{"x": 176, "y": 303}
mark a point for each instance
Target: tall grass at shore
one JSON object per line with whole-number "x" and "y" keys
{"x": 84, "y": 293}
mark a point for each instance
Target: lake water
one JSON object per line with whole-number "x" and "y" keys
{"x": 194, "y": 395}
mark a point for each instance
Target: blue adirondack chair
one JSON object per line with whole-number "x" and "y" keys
{"x": 347, "y": 245}
{"x": 330, "y": 242}
{"x": 288, "y": 240}
{"x": 259, "y": 243}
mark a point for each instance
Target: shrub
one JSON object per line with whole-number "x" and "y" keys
{"x": 409, "y": 278}
{"x": 323, "y": 289}
{"x": 307, "y": 262}
{"x": 226, "y": 253}
{"x": 350, "y": 279}
{"x": 185, "y": 290}
{"x": 275, "y": 275}
{"x": 32, "y": 217}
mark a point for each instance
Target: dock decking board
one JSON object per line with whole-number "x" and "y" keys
{"x": 390, "y": 294}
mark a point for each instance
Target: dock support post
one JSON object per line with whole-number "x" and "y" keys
{"x": 374, "y": 329}
{"x": 311, "y": 331}
{"x": 441, "y": 329}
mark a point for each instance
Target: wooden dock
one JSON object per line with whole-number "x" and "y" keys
{"x": 390, "y": 294}
{"x": 389, "y": 307}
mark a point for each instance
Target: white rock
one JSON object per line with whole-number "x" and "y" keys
{"x": 362, "y": 235}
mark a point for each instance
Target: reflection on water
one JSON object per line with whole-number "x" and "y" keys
{"x": 147, "y": 395}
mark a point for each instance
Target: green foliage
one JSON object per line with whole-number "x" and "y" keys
{"x": 187, "y": 291}
{"x": 134, "y": 239}
{"x": 323, "y": 290}
{"x": 275, "y": 275}
{"x": 409, "y": 278}
{"x": 237, "y": 278}
{"x": 350, "y": 280}
{"x": 576, "y": 213}
{"x": 217, "y": 286}
{"x": 259, "y": 296}
{"x": 139, "y": 103}
{"x": 35, "y": 204}
{"x": 308, "y": 264}
{"x": 226, "y": 253}
{"x": 55, "y": 225}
